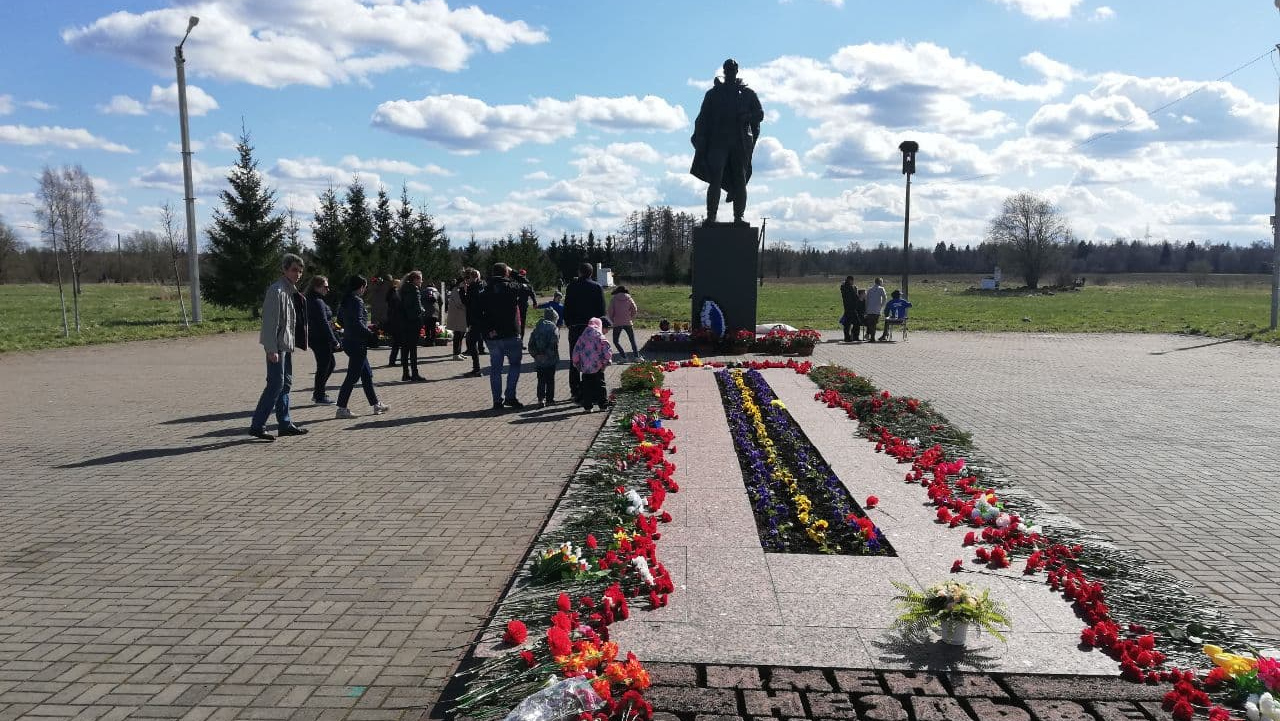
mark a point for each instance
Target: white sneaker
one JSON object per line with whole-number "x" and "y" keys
{"x": 637, "y": 357}
{"x": 380, "y": 408}
{"x": 459, "y": 356}
{"x": 344, "y": 413}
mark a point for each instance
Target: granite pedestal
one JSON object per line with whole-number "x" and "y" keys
{"x": 726, "y": 259}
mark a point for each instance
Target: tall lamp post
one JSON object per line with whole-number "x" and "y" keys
{"x": 909, "y": 148}
{"x": 1275, "y": 230}
{"x": 193, "y": 253}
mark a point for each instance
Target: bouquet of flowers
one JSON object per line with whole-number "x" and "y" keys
{"x": 562, "y": 563}
{"x": 952, "y": 602}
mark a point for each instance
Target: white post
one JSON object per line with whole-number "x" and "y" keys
{"x": 1275, "y": 231}
{"x": 193, "y": 252}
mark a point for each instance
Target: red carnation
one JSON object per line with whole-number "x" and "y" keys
{"x": 872, "y": 501}
{"x": 558, "y": 641}
{"x": 516, "y": 633}
{"x": 957, "y": 566}
{"x": 592, "y": 543}
{"x": 563, "y": 603}
{"x": 527, "y": 657}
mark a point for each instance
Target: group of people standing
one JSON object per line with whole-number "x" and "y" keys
{"x": 487, "y": 314}
{"x": 863, "y": 308}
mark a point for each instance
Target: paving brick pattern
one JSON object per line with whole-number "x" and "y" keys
{"x": 155, "y": 563}
{"x": 1164, "y": 444}
{"x": 706, "y": 692}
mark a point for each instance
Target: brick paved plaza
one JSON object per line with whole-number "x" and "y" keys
{"x": 156, "y": 563}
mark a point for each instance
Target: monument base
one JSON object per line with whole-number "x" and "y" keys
{"x": 726, "y": 260}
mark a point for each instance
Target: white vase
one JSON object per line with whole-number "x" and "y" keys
{"x": 955, "y": 633}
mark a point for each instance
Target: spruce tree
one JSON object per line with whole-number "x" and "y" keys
{"x": 384, "y": 236}
{"x": 358, "y": 224}
{"x": 246, "y": 240}
{"x": 329, "y": 237}
{"x": 405, "y": 255}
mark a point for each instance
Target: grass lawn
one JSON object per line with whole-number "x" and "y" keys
{"x": 1131, "y": 304}
{"x": 1225, "y": 307}
{"x": 31, "y": 316}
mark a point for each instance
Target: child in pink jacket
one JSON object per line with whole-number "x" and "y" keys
{"x": 591, "y": 355}
{"x": 622, "y": 313}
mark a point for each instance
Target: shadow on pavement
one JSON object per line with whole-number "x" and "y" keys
{"x": 144, "y": 454}
{"x": 926, "y": 654}
{"x": 209, "y": 417}
{"x": 1195, "y": 347}
{"x": 394, "y": 422}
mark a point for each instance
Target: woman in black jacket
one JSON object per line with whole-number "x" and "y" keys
{"x": 356, "y": 336}
{"x": 411, "y": 315}
{"x": 323, "y": 340}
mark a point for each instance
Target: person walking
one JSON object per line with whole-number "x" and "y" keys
{"x": 622, "y": 313}
{"x": 280, "y": 331}
{"x": 499, "y": 304}
{"x": 544, "y": 346}
{"x": 455, "y": 315}
{"x": 853, "y": 310}
{"x": 471, "y": 299}
{"x": 411, "y": 316}
{"x": 591, "y": 354}
{"x": 875, "y": 303}
{"x": 322, "y": 339}
{"x": 392, "y": 326}
{"x": 584, "y": 300}
{"x": 527, "y": 299}
{"x": 356, "y": 336}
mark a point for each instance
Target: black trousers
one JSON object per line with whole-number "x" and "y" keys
{"x": 408, "y": 355}
{"x": 473, "y": 347}
{"x": 592, "y": 391}
{"x": 852, "y": 326}
{"x": 575, "y": 377}
{"x": 546, "y": 383}
{"x": 325, "y": 364}
{"x": 357, "y": 369}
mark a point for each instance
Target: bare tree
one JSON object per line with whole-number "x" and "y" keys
{"x": 9, "y": 248}
{"x": 67, "y": 196}
{"x": 170, "y": 226}
{"x": 1030, "y": 233}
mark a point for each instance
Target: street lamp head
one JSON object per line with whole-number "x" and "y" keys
{"x": 1277, "y": 4}
{"x": 191, "y": 23}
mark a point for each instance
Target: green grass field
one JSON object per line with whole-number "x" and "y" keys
{"x": 31, "y": 316}
{"x": 1223, "y": 307}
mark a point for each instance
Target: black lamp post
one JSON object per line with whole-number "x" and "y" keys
{"x": 909, "y": 148}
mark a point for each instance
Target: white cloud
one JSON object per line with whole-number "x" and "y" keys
{"x": 73, "y": 138}
{"x": 38, "y": 105}
{"x": 385, "y": 165}
{"x": 1048, "y": 67}
{"x": 879, "y": 66}
{"x": 1102, "y": 13}
{"x": 538, "y": 175}
{"x": 166, "y": 100}
{"x": 6, "y": 104}
{"x": 122, "y": 105}
{"x": 224, "y": 141}
{"x": 304, "y": 42}
{"x": 466, "y": 124}
{"x": 1042, "y": 9}
{"x": 196, "y": 146}
{"x": 206, "y": 180}
{"x": 1085, "y": 116}
{"x": 771, "y": 160}
{"x": 857, "y": 150}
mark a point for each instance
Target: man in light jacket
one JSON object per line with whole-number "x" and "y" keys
{"x": 875, "y": 303}
{"x": 280, "y": 320}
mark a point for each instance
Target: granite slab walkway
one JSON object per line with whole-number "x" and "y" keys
{"x": 738, "y": 604}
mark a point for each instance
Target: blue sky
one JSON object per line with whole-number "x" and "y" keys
{"x": 565, "y": 116}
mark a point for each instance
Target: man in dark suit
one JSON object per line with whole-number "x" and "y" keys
{"x": 583, "y": 300}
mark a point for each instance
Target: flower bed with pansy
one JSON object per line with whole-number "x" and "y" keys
{"x": 597, "y": 559}
{"x": 799, "y": 504}
{"x": 914, "y": 433}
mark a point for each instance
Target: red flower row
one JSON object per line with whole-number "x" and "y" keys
{"x": 956, "y": 504}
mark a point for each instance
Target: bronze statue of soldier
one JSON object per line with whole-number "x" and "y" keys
{"x": 724, "y": 135}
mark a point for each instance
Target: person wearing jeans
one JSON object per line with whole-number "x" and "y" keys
{"x": 355, "y": 343}
{"x": 280, "y": 319}
{"x": 499, "y": 307}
